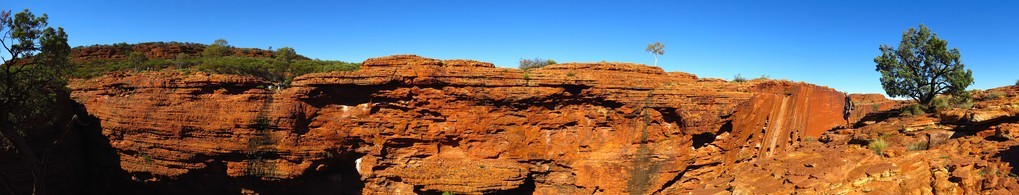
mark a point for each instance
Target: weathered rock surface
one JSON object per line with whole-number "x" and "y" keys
{"x": 780, "y": 115}
{"x": 406, "y": 124}
{"x": 415, "y": 123}
{"x": 864, "y": 104}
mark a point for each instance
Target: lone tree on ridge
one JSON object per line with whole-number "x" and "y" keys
{"x": 656, "y": 49}
{"x": 218, "y": 48}
{"x": 922, "y": 67}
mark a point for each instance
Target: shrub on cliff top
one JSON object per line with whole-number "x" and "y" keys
{"x": 922, "y": 67}
{"x": 739, "y": 78}
{"x": 527, "y": 64}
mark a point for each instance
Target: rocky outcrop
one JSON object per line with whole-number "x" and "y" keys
{"x": 866, "y": 104}
{"x": 779, "y": 116}
{"x": 406, "y": 124}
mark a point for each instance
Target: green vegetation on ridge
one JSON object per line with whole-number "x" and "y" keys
{"x": 280, "y": 66}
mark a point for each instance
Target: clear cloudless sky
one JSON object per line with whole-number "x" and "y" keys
{"x": 830, "y": 43}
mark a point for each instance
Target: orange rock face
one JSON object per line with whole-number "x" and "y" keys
{"x": 782, "y": 114}
{"x": 406, "y": 124}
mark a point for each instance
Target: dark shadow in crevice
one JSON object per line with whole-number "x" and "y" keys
{"x": 228, "y": 89}
{"x": 348, "y": 95}
{"x": 703, "y": 139}
{"x": 302, "y": 122}
{"x": 421, "y": 191}
{"x": 1010, "y": 155}
{"x": 671, "y": 115}
{"x": 679, "y": 177}
{"x": 876, "y": 117}
{"x": 859, "y": 142}
{"x": 340, "y": 177}
{"x": 527, "y": 187}
{"x": 102, "y": 162}
{"x": 575, "y": 90}
{"x": 973, "y": 128}
{"x": 995, "y": 138}
{"x": 54, "y": 137}
{"x": 725, "y": 128}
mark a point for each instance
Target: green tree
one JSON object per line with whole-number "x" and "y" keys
{"x": 31, "y": 77}
{"x": 922, "y": 67}
{"x": 286, "y": 54}
{"x": 281, "y": 72}
{"x": 218, "y": 48}
{"x": 656, "y": 49}
{"x": 137, "y": 60}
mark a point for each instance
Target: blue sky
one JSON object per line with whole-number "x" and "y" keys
{"x": 829, "y": 43}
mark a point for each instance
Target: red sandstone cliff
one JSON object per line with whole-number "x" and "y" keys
{"x": 406, "y": 124}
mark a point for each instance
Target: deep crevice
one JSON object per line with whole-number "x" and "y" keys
{"x": 527, "y": 187}
{"x": 673, "y": 181}
{"x": 1011, "y": 156}
{"x": 702, "y": 139}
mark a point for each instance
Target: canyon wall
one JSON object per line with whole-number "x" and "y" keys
{"x": 406, "y": 124}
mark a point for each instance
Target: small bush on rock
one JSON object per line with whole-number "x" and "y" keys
{"x": 912, "y": 110}
{"x": 922, "y": 145}
{"x": 994, "y": 95}
{"x": 527, "y": 64}
{"x": 878, "y": 146}
{"x": 739, "y": 78}
{"x": 941, "y": 104}
{"x": 963, "y": 100}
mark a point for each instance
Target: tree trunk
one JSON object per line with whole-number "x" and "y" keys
{"x": 38, "y": 176}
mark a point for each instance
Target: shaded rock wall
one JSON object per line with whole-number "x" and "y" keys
{"x": 55, "y": 141}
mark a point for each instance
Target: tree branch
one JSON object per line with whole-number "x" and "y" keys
{"x": 4, "y": 183}
{"x": 57, "y": 142}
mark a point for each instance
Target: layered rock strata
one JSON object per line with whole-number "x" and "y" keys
{"x": 406, "y": 124}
